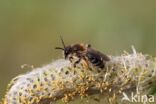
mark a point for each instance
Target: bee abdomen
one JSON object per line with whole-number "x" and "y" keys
{"x": 96, "y": 61}
{"x": 99, "y": 64}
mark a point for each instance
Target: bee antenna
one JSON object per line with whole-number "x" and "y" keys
{"x": 62, "y": 42}
{"x": 59, "y": 48}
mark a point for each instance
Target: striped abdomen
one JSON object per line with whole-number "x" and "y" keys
{"x": 97, "y": 58}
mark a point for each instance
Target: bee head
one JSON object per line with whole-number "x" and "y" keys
{"x": 67, "y": 49}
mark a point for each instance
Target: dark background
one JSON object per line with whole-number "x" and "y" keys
{"x": 30, "y": 29}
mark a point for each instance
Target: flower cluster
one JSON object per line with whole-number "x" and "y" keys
{"x": 60, "y": 80}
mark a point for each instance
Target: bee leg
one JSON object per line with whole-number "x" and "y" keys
{"x": 70, "y": 59}
{"x": 77, "y": 62}
{"x": 85, "y": 64}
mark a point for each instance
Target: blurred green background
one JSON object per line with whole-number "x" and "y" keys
{"x": 30, "y": 29}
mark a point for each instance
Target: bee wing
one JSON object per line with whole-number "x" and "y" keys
{"x": 94, "y": 54}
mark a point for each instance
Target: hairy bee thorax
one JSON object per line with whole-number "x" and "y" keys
{"x": 80, "y": 46}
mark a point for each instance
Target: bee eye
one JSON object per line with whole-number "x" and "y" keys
{"x": 67, "y": 51}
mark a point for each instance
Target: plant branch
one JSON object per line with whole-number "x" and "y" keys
{"x": 59, "y": 80}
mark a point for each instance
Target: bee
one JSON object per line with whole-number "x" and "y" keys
{"x": 84, "y": 52}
